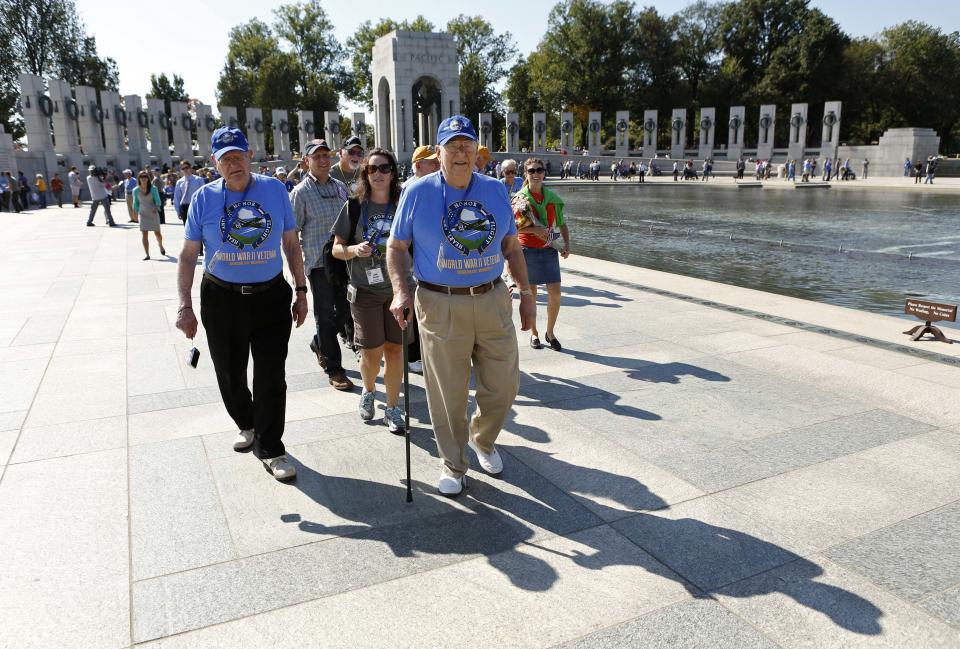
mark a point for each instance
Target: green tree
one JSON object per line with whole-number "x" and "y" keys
{"x": 780, "y": 51}
{"x": 920, "y": 69}
{"x": 587, "y": 58}
{"x": 357, "y": 85}
{"x": 522, "y": 98}
{"x": 698, "y": 45}
{"x": 308, "y": 31}
{"x": 47, "y": 38}
{"x": 484, "y": 58}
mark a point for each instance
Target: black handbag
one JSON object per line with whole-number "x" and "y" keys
{"x": 336, "y": 269}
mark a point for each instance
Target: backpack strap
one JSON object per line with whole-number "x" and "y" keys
{"x": 353, "y": 209}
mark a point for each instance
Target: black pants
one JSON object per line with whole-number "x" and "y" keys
{"x": 182, "y": 211}
{"x": 106, "y": 208}
{"x": 331, "y": 311}
{"x": 237, "y": 325}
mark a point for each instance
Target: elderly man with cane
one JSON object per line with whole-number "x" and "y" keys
{"x": 462, "y": 229}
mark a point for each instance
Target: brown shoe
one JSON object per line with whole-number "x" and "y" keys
{"x": 341, "y": 382}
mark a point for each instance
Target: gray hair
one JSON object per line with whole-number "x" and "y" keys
{"x": 509, "y": 162}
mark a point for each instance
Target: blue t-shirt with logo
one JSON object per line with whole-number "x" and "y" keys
{"x": 457, "y": 233}
{"x": 241, "y": 232}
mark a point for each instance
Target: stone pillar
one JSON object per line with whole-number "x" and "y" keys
{"x": 331, "y": 129}
{"x": 678, "y": 133}
{"x": 114, "y": 129}
{"x": 735, "y": 127}
{"x": 594, "y": 133}
{"x": 539, "y": 132}
{"x": 91, "y": 138}
{"x": 8, "y": 161}
{"x": 137, "y": 122}
{"x": 402, "y": 125}
{"x": 182, "y": 122}
{"x": 305, "y": 128}
{"x": 798, "y": 132}
{"x": 650, "y": 128}
{"x": 513, "y": 132}
{"x": 37, "y": 122}
{"x": 767, "y": 122}
{"x": 159, "y": 137}
{"x": 566, "y": 132}
{"x": 830, "y": 140}
{"x": 254, "y": 131}
{"x": 228, "y": 116}
{"x": 708, "y": 132}
{"x": 359, "y": 127}
{"x": 65, "y": 115}
{"x": 623, "y": 133}
{"x": 485, "y": 129}
{"x": 206, "y": 125}
{"x": 281, "y": 133}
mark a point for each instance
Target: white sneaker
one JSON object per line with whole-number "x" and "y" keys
{"x": 366, "y": 406}
{"x": 394, "y": 420}
{"x": 416, "y": 367}
{"x": 450, "y": 486}
{"x": 243, "y": 440}
{"x": 280, "y": 467}
{"x": 492, "y": 463}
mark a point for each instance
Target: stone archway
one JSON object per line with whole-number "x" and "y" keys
{"x": 383, "y": 121}
{"x": 427, "y": 109}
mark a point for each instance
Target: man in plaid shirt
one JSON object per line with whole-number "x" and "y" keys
{"x": 316, "y": 203}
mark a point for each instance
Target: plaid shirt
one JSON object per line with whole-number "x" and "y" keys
{"x": 316, "y": 207}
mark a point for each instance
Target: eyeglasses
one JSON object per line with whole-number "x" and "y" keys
{"x": 384, "y": 168}
{"x": 510, "y": 172}
{"x": 355, "y": 153}
{"x": 461, "y": 147}
{"x": 535, "y": 170}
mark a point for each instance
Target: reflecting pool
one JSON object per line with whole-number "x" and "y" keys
{"x": 869, "y": 249}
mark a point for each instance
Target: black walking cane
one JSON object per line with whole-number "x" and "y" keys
{"x": 406, "y": 399}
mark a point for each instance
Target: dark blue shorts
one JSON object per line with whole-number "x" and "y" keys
{"x": 543, "y": 265}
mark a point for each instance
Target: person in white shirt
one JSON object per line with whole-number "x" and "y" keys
{"x": 186, "y": 186}
{"x": 98, "y": 195}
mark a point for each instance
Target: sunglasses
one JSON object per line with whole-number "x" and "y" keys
{"x": 535, "y": 170}
{"x": 510, "y": 173}
{"x": 384, "y": 168}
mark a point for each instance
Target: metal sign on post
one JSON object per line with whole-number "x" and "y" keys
{"x": 930, "y": 312}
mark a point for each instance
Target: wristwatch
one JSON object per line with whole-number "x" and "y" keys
{"x": 301, "y": 289}
{"x": 527, "y": 291}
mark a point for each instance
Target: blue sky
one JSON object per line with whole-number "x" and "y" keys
{"x": 192, "y": 40}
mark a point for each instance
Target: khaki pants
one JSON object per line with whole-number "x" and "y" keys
{"x": 455, "y": 331}
{"x": 133, "y": 215}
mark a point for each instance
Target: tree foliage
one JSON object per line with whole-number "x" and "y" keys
{"x": 358, "y": 84}
{"x": 294, "y": 63}
{"x": 47, "y": 38}
{"x": 485, "y": 58}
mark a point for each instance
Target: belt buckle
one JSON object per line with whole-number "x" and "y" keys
{"x": 246, "y": 290}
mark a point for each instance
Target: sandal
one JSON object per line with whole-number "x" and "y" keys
{"x": 535, "y": 342}
{"x": 554, "y": 343}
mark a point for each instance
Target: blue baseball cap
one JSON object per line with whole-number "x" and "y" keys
{"x": 455, "y": 126}
{"x": 228, "y": 138}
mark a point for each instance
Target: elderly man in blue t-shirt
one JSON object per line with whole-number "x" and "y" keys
{"x": 244, "y": 221}
{"x": 462, "y": 229}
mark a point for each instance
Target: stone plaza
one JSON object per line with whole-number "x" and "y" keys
{"x": 702, "y": 466}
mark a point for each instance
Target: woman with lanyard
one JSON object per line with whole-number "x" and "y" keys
{"x": 370, "y": 293}
{"x": 544, "y": 236}
{"x": 146, "y": 205}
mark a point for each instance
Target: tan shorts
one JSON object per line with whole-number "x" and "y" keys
{"x": 373, "y": 324}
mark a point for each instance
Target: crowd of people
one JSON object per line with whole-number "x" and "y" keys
{"x": 436, "y": 257}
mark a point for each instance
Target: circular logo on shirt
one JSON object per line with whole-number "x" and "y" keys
{"x": 246, "y": 224}
{"x": 469, "y": 227}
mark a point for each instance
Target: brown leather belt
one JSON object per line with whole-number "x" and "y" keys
{"x": 480, "y": 289}
{"x": 244, "y": 289}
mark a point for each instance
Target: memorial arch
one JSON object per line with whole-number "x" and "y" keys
{"x": 416, "y": 85}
